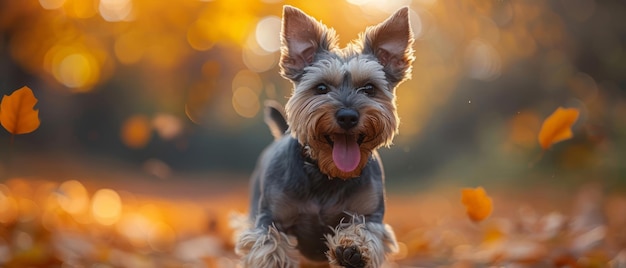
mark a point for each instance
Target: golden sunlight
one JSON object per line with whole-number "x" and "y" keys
{"x": 72, "y": 197}
{"x": 8, "y": 205}
{"x": 246, "y": 102}
{"x": 256, "y": 58}
{"x": 80, "y": 9}
{"x": 51, "y": 4}
{"x": 75, "y": 70}
{"x": 136, "y": 131}
{"x": 246, "y": 78}
{"x": 268, "y": 33}
{"x": 116, "y": 10}
{"x": 106, "y": 206}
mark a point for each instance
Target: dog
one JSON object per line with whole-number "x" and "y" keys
{"x": 318, "y": 190}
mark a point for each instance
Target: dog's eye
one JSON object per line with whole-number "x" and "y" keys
{"x": 321, "y": 89}
{"x": 367, "y": 90}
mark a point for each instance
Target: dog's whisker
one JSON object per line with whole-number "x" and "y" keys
{"x": 361, "y": 138}
{"x": 329, "y": 140}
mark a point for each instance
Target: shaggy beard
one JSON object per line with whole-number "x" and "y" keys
{"x": 314, "y": 121}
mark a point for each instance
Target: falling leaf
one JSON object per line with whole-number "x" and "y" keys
{"x": 478, "y": 205}
{"x": 17, "y": 113}
{"x": 557, "y": 127}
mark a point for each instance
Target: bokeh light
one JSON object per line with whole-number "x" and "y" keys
{"x": 247, "y": 86}
{"x": 75, "y": 70}
{"x": 106, "y": 206}
{"x": 136, "y": 131}
{"x": 135, "y": 227}
{"x": 524, "y": 128}
{"x": 151, "y": 122}
{"x": 81, "y": 9}
{"x": 167, "y": 126}
{"x": 246, "y": 102}
{"x": 268, "y": 33}
{"x": 199, "y": 36}
{"x": 482, "y": 61}
{"x": 51, "y": 4}
{"x": 8, "y": 205}
{"x": 129, "y": 47}
{"x": 73, "y": 66}
{"x": 28, "y": 209}
{"x": 256, "y": 58}
{"x": 72, "y": 197}
{"x": 116, "y": 10}
{"x": 249, "y": 79}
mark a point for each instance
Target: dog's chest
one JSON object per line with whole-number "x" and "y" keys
{"x": 325, "y": 209}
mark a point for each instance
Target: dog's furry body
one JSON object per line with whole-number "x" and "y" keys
{"x": 318, "y": 189}
{"x": 302, "y": 201}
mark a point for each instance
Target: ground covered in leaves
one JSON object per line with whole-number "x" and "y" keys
{"x": 117, "y": 223}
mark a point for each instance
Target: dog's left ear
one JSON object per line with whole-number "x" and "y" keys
{"x": 302, "y": 38}
{"x": 392, "y": 43}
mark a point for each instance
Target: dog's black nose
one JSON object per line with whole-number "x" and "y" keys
{"x": 347, "y": 118}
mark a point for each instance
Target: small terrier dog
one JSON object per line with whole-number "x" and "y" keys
{"x": 318, "y": 189}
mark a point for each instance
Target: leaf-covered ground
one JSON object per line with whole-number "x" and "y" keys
{"x": 114, "y": 220}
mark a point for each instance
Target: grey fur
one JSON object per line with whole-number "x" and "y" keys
{"x": 290, "y": 195}
{"x": 301, "y": 201}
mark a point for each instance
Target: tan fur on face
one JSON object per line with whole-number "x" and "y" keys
{"x": 381, "y": 56}
{"x": 311, "y": 116}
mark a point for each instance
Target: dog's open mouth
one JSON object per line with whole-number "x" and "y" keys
{"x": 346, "y": 152}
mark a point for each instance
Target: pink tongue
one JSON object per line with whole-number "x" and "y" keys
{"x": 346, "y": 153}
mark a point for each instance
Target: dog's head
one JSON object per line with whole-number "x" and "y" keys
{"x": 343, "y": 103}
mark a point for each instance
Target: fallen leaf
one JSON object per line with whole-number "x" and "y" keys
{"x": 557, "y": 127}
{"x": 17, "y": 113}
{"x": 478, "y": 205}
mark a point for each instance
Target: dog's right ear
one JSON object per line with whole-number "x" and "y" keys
{"x": 302, "y": 37}
{"x": 391, "y": 42}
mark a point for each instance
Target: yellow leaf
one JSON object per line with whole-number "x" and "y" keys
{"x": 477, "y": 204}
{"x": 17, "y": 113}
{"x": 557, "y": 127}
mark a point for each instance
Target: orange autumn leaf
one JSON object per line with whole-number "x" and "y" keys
{"x": 477, "y": 203}
{"x": 557, "y": 127}
{"x": 17, "y": 112}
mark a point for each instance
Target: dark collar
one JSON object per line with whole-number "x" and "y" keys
{"x": 307, "y": 158}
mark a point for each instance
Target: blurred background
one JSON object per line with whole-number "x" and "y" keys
{"x": 181, "y": 85}
{"x": 163, "y": 99}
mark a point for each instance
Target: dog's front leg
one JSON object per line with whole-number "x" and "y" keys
{"x": 360, "y": 243}
{"x": 266, "y": 246}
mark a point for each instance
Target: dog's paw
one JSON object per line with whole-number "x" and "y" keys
{"x": 349, "y": 257}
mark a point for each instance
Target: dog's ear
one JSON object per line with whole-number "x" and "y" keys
{"x": 302, "y": 37}
{"x": 392, "y": 43}
{"x": 275, "y": 118}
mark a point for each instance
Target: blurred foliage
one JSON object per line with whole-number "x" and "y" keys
{"x": 166, "y": 90}
{"x": 108, "y": 72}
{"x": 71, "y": 224}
